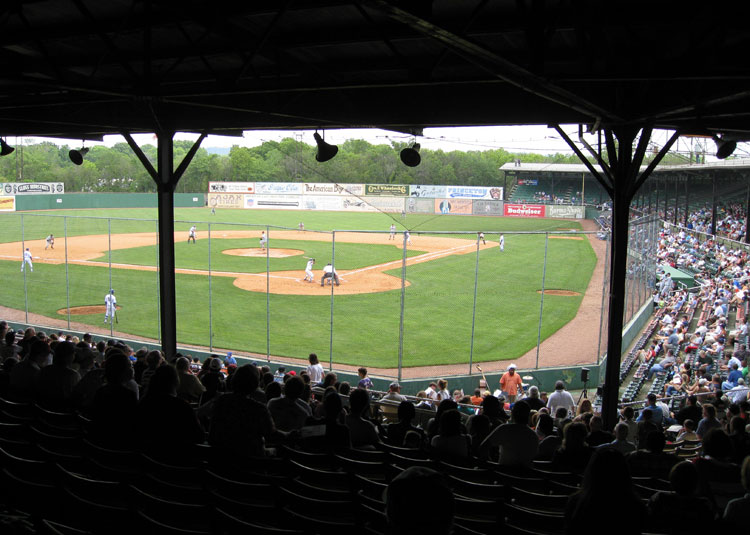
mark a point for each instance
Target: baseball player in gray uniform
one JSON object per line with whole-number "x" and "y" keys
{"x": 308, "y": 270}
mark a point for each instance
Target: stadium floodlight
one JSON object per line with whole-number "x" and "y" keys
{"x": 724, "y": 147}
{"x": 326, "y": 151}
{"x": 410, "y": 155}
{"x": 5, "y": 149}
{"x": 76, "y": 156}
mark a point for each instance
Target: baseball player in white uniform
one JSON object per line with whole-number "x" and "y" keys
{"x": 111, "y": 305}
{"x": 27, "y": 260}
{"x": 50, "y": 242}
{"x": 393, "y": 232}
{"x": 308, "y": 270}
{"x": 263, "y": 239}
{"x": 408, "y": 237}
{"x": 502, "y": 242}
{"x": 481, "y": 237}
{"x": 191, "y": 236}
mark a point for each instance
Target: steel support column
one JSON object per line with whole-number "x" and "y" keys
{"x": 713, "y": 205}
{"x": 687, "y": 200}
{"x": 747, "y": 215}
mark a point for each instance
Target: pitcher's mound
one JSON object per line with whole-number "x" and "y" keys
{"x": 257, "y": 251}
{"x": 566, "y": 293}
{"x": 80, "y": 311}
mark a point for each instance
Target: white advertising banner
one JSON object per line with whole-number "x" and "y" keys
{"x": 32, "y": 188}
{"x": 278, "y": 188}
{"x": 420, "y": 206}
{"x": 328, "y": 188}
{"x": 231, "y": 187}
{"x": 428, "y": 192}
{"x": 567, "y": 212}
{"x": 474, "y": 192}
{"x": 274, "y": 202}
{"x": 322, "y": 202}
{"x": 387, "y": 204}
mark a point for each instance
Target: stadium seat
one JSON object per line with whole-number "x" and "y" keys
{"x": 48, "y": 527}
{"x": 539, "y": 501}
{"x": 95, "y": 515}
{"x": 232, "y": 525}
{"x": 174, "y": 514}
{"x": 261, "y": 492}
{"x": 477, "y": 491}
{"x": 151, "y": 525}
{"x": 527, "y": 518}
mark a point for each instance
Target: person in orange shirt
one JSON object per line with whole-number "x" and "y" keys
{"x": 510, "y": 382}
{"x": 477, "y": 398}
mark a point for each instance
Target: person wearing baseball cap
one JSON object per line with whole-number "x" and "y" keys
{"x": 510, "y": 382}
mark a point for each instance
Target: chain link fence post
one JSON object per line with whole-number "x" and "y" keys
{"x": 541, "y": 301}
{"x": 67, "y": 278}
{"x": 474, "y": 308}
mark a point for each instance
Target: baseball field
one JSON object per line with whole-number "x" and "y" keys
{"x": 460, "y": 300}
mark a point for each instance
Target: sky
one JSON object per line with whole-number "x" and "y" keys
{"x": 515, "y": 139}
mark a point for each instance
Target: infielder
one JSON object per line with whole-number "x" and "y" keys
{"x": 481, "y": 237}
{"x": 393, "y": 232}
{"x": 191, "y": 236}
{"x": 407, "y": 236}
{"x": 263, "y": 239}
{"x": 308, "y": 270}
{"x": 329, "y": 273}
{"x": 111, "y": 305}
{"x": 502, "y": 242}
{"x": 27, "y": 260}
{"x": 301, "y": 225}
{"x": 50, "y": 242}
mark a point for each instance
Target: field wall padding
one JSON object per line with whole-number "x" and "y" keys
{"x": 103, "y": 200}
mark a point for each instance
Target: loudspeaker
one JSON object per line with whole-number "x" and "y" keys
{"x": 584, "y": 375}
{"x": 76, "y": 156}
{"x": 325, "y": 150}
{"x": 410, "y": 155}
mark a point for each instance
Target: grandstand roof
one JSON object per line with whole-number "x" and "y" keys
{"x": 580, "y": 168}
{"x": 84, "y": 68}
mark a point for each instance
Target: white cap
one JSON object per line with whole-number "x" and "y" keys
{"x": 512, "y": 367}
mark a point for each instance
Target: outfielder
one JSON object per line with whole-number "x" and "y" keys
{"x": 393, "y": 232}
{"x": 50, "y": 242}
{"x": 27, "y": 260}
{"x": 191, "y": 236}
{"x": 111, "y": 305}
{"x": 263, "y": 239}
{"x": 308, "y": 270}
{"x": 502, "y": 242}
{"x": 329, "y": 273}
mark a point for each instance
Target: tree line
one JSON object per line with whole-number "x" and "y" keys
{"x": 117, "y": 169}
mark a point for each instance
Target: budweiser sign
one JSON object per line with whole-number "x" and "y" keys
{"x": 524, "y": 210}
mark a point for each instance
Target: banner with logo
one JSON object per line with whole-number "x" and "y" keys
{"x": 453, "y": 206}
{"x": 567, "y": 212}
{"x": 473, "y": 192}
{"x": 384, "y": 204}
{"x": 524, "y": 210}
{"x": 428, "y": 192}
{"x": 231, "y": 187}
{"x": 226, "y": 200}
{"x": 420, "y": 206}
{"x": 32, "y": 188}
{"x": 278, "y": 188}
{"x": 7, "y": 204}
{"x": 328, "y": 188}
{"x": 392, "y": 190}
{"x": 528, "y": 182}
{"x": 482, "y": 207}
{"x": 274, "y": 202}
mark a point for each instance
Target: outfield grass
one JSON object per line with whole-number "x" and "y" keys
{"x": 437, "y": 307}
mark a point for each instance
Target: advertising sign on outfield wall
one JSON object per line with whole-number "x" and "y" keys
{"x": 7, "y": 204}
{"x": 226, "y": 200}
{"x": 524, "y": 210}
{"x": 32, "y": 188}
{"x": 482, "y": 207}
{"x": 271, "y": 202}
{"x": 428, "y": 192}
{"x": 393, "y": 190}
{"x": 420, "y": 206}
{"x": 568, "y": 212}
{"x": 327, "y": 188}
{"x": 278, "y": 188}
{"x": 322, "y": 202}
{"x": 231, "y": 187}
{"x": 453, "y": 206}
{"x": 471, "y": 192}
{"x": 384, "y": 204}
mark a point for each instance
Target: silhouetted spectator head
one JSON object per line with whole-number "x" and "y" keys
{"x": 329, "y": 379}
{"x": 273, "y": 390}
{"x": 419, "y": 489}
{"x": 621, "y": 431}
{"x": 709, "y": 411}
{"x": 575, "y": 436}
{"x": 332, "y": 405}
{"x": 359, "y": 401}
{"x": 450, "y": 423}
{"x": 559, "y": 385}
{"x": 182, "y": 365}
{"x": 561, "y": 413}
{"x": 406, "y": 411}
{"x": 689, "y": 424}
{"x": 520, "y": 412}
{"x": 39, "y": 352}
{"x": 294, "y": 387}
{"x": 412, "y": 439}
{"x": 154, "y": 359}
{"x": 164, "y": 382}
{"x": 117, "y": 368}
{"x": 655, "y": 442}
{"x": 345, "y": 388}
{"x": 491, "y": 407}
{"x": 596, "y": 423}
{"x": 65, "y": 354}
{"x": 9, "y": 363}
{"x": 607, "y": 474}
{"x": 544, "y": 424}
{"x": 10, "y": 337}
{"x": 533, "y": 392}
{"x": 628, "y": 413}
{"x": 245, "y": 380}
{"x": 313, "y": 359}
{"x": 684, "y": 478}
{"x": 737, "y": 425}
{"x": 717, "y": 444}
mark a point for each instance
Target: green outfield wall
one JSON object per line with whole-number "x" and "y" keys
{"x": 102, "y": 200}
